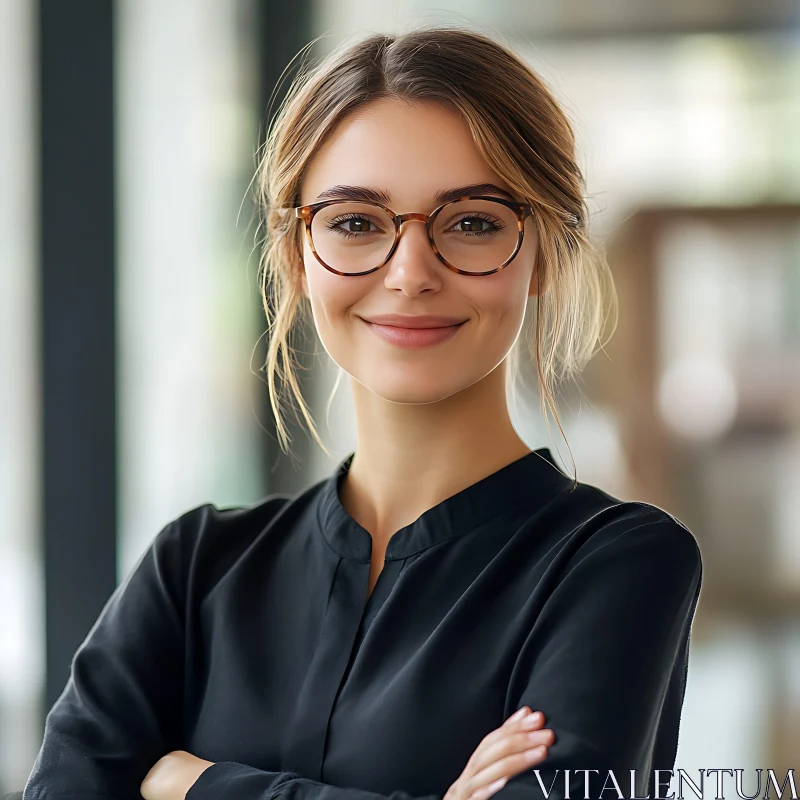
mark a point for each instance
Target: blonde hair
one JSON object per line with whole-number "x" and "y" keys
{"x": 521, "y": 132}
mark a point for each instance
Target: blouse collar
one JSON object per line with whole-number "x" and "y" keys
{"x": 529, "y": 482}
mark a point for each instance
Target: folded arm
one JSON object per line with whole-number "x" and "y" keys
{"x": 605, "y": 662}
{"x": 120, "y": 710}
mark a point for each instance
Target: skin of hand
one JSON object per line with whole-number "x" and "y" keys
{"x": 518, "y": 744}
{"x": 172, "y": 776}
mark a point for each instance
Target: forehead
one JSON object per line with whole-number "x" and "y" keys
{"x": 411, "y": 151}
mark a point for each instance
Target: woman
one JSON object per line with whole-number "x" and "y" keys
{"x": 386, "y": 632}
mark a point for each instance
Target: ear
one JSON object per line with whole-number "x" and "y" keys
{"x": 304, "y": 281}
{"x": 537, "y": 284}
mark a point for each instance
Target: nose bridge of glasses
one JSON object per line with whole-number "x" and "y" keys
{"x": 413, "y": 216}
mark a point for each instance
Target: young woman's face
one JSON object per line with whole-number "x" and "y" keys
{"x": 411, "y": 153}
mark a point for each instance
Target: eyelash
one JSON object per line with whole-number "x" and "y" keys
{"x": 485, "y": 218}
{"x": 334, "y": 223}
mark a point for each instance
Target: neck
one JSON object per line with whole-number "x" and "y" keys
{"x": 410, "y": 457}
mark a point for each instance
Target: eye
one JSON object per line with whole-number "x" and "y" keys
{"x": 474, "y": 224}
{"x": 354, "y": 225}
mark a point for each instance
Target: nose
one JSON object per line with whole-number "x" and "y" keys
{"x": 413, "y": 267}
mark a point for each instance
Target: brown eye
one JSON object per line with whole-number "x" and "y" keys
{"x": 471, "y": 224}
{"x": 358, "y": 225}
{"x": 476, "y": 224}
{"x": 352, "y": 224}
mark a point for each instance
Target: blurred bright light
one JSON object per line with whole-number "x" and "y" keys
{"x": 697, "y": 398}
{"x": 593, "y": 435}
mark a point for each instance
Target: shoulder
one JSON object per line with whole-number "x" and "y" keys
{"x": 206, "y": 524}
{"x": 201, "y": 525}
{"x": 198, "y": 547}
{"x": 607, "y": 528}
{"x": 633, "y": 559}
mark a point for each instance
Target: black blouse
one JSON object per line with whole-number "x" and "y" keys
{"x": 245, "y": 636}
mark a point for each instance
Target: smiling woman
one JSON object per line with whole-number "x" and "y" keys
{"x": 489, "y": 244}
{"x": 383, "y": 125}
{"x": 406, "y": 628}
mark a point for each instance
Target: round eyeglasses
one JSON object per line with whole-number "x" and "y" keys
{"x": 474, "y": 235}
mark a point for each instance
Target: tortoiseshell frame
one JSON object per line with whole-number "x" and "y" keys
{"x": 522, "y": 210}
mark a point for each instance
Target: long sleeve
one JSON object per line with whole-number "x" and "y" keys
{"x": 605, "y": 662}
{"x": 120, "y": 710}
{"x": 228, "y": 780}
{"x": 607, "y": 659}
{"x": 243, "y": 637}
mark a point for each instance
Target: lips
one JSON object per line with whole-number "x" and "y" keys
{"x": 413, "y": 338}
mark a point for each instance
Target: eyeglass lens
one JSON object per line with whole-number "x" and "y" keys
{"x": 472, "y": 235}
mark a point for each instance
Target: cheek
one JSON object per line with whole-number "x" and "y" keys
{"x": 332, "y": 297}
{"x": 330, "y": 301}
{"x": 502, "y": 297}
{"x": 326, "y": 290}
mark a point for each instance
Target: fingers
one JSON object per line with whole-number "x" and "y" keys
{"x": 517, "y": 745}
{"x": 526, "y": 722}
{"x": 518, "y": 715}
{"x": 485, "y": 783}
{"x": 512, "y": 764}
{"x": 510, "y": 755}
{"x": 488, "y": 791}
{"x": 517, "y": 742}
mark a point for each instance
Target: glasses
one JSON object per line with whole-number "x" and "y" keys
{"x": 474, "y": 235}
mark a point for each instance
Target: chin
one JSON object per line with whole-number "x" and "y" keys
{"x": 414, "y": 389}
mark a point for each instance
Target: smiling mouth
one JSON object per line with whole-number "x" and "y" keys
{"x": 414, "y": 338}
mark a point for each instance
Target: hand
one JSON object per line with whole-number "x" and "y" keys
{"x": 172, "y": 776}
{"x": 515, "y": 746}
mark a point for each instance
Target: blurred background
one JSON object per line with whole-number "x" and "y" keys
{"x": 131, "y": 331}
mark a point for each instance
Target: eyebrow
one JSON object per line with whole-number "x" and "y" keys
{"x": 369, "y": 195}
